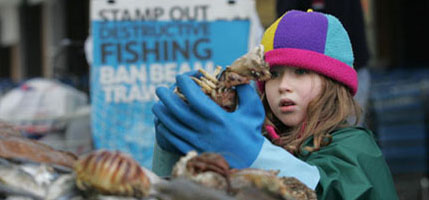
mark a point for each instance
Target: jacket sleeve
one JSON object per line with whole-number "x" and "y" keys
{"x": 352, "y": 167}
{"x": 272, "y": 157}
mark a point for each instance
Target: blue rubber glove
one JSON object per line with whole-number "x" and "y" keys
{"x": 160, "y": 133}
{"x": 204, "y": 126}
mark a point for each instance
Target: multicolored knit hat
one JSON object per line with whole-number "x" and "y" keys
{"x": 313, "y": 41}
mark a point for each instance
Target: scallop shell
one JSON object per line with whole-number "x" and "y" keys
{"x": 111, "y": 173}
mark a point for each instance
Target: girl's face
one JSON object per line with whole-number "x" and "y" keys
{"x": 289, "y": 92}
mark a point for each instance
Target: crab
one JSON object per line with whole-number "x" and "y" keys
{"x": 298, "y": 190}
{"x": 263, "y": 180}
{"x": 207, "y": 169}
{"x": 220, "y": 85}
{"x": 212, "y": 170}
{"x": 111, "y": 173}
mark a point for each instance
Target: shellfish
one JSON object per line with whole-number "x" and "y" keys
{"x": 208, "y": 169}
{"x": 211, "y": 170}
{"x": 220, "y": 85}
{"x": 111, "y": 173}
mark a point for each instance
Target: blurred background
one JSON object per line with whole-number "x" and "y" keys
{"x": 46, "y": 39}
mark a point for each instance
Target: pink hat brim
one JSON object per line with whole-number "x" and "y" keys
{"x": 313, "y": 61}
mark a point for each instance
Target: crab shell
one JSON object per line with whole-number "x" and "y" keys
{"x": 261, "y": 179}
{"x": 111, "y": 173}
{"x": 227, "y": 99}
{"x": 208, "y": 178}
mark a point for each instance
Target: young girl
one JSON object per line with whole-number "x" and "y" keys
{"x": 304, "y": 112}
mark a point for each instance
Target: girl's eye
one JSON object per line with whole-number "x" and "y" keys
{"x": 301, "y": 71}
{"x": 274, "y": 74}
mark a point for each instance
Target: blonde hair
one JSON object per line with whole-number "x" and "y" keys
{"x": 327, "y": 112}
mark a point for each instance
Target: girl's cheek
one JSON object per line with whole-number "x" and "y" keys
{"x": 270, "y": 85}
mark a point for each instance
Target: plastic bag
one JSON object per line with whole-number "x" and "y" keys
{"x": 41, "y": 105}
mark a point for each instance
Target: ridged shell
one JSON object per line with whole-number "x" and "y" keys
{"x": 111, "y": 173}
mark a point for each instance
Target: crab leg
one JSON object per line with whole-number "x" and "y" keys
{"x": 208, "y": 76}
{"x": 179, "y": 94}
{"x": 206, "y": 88}
{"x": 217, "y": 71}
{"x": 208, "y": 82}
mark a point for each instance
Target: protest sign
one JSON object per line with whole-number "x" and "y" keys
{"x": 139, "y": 45}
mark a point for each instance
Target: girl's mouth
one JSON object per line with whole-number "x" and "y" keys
{"x": 287, "y": 105}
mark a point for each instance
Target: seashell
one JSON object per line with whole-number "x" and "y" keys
{"x": 181, "y": 188}
{"x": 267, "y": 181}
{"x": 190, "y": 168}
{"x": 111, "y": 173}
{"x": 212, "y": 171}
{"x": 298, "y": 190}
{"x": 264, "y": 180}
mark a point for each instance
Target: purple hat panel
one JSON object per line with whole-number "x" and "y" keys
{"x": 302, "y": 31}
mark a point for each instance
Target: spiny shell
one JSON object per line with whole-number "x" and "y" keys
{"x": 267, "y": 180}
{"x": 298, "y": 190}
{"x": 208, "y": 179}
{"x": 111, "y": 173}
{"x": 264, "y": 180}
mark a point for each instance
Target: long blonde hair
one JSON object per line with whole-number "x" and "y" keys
{"x": 326, "y": 113}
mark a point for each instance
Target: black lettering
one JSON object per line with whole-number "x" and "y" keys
{"x": 126, "y": 16}
{"x": 138, "y": 15}
{"x": 207, "y": 52}
{"x": 141, "y": 16}
{"x": 175, "y": 13}
{"x": 130, "y": 15}
{"x": 197, "y": 29}
{"x": 204, "y": 8}
{"x": 165, "y": 30}
{"x": 205, "y": 27}
{"x": 105, "y": 33}
{"x": 176, "y": 47}
{"x": 130, "y": 50}
{"x": 158, "y": 12}
{"x": 102, "y": 15}
{"x": 182, "y": 28}
{"x": 165, "y": 50}
{"x": 146, "y": 51}
{"x": 105, "y": 52}
{"x": 125, "y": 33}
{"x": 136, "y": 31}
{"x": 148, "y": 14}
{"x": 115, "y": 14}
{"x": 119, "y": 53}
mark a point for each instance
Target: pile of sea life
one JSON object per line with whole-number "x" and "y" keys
{"x": 36, "y": 171}
{"x": 32, "y": 170}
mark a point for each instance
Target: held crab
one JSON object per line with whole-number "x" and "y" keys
{"x": 220, "y": 86}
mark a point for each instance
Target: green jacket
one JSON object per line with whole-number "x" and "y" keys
{"x": 352, "y": 167}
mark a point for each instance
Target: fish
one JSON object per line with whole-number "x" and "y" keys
{"x": 185, "y": 189}
{"x": 16, "y": 181}
{"x": 62, "y": 188}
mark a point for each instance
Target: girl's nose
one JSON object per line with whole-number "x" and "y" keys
{"x": 285, "y": 83}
